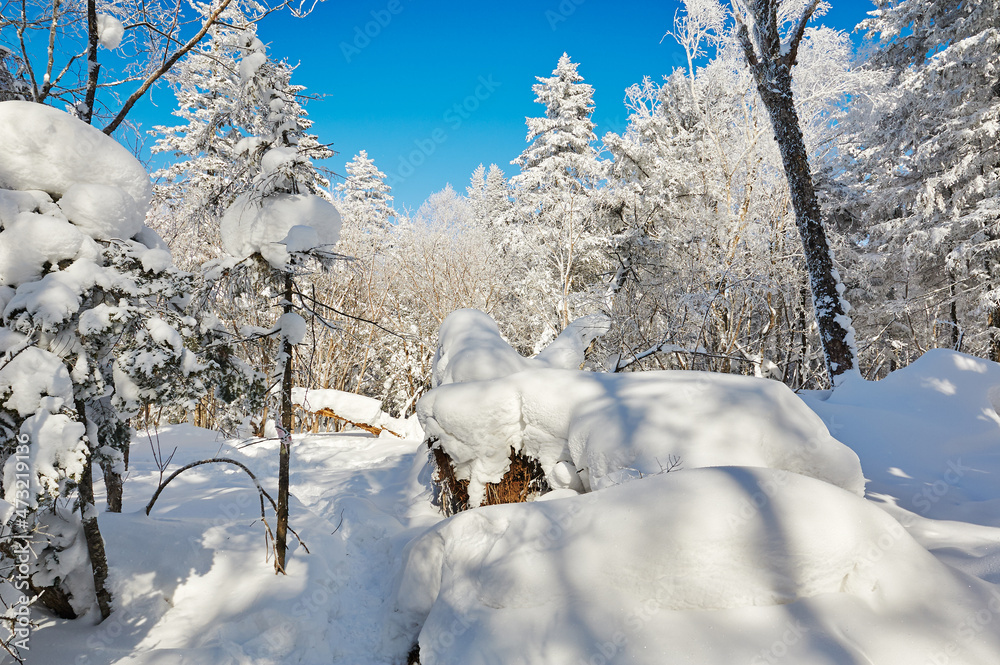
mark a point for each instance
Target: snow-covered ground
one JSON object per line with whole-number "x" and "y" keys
{"x": 732, "y": 564}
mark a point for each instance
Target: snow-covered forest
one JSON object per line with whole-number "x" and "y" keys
{"x": 722, "y": 386}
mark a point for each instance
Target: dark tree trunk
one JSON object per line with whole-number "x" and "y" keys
{"x": 93, "y": 68}
{"x": 91, "y": 530}
{"x": 771, "y": 66}
{"x": 285, "y": 446}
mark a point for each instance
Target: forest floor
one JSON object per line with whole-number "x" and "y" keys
{"x": 193, "y": 583}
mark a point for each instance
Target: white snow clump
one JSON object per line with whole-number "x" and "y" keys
{"x": 471, "y": 348}
{"x": 109, "y": 31}
{"x": 251, "y": 226}
{"x": 49, "y": 150}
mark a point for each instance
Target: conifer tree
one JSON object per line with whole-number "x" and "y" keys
{"x": 559, "y": 169}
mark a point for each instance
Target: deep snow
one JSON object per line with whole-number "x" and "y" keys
{"x": 701, "y": 565}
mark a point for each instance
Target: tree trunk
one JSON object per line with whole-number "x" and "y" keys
{"x": 285, "y": 446}
{"x": 115, "y": 486}
{"x": 772, "y": 73}
{"x": 91, "y": 530}
{"x": 993, "y": 325}
{"x": 93, "y": 67}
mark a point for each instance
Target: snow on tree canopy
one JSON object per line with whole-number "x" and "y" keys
{"x": 629, "y": 574}
{"x": 47, "y": 149}
{"x": 268, "y": 227}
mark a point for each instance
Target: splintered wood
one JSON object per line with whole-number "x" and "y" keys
{"x": 524, "y": 478}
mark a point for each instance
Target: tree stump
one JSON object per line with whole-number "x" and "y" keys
{"x": 523, "y": 479}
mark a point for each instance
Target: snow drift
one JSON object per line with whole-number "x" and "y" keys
{"x": 928, "y": 434}
{"x": 626, "y": 574}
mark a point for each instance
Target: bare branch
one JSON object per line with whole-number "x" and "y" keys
{"x": 165, "y": 67}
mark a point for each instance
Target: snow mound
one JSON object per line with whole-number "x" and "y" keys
{"x": 49, "y": 150}
{"x": 601, "y": 429}
{"x": 471, "y": 348}
{"x": 928, "y": 435}
{"x": 263, "y": 227}
{"x": 779, "y": 558}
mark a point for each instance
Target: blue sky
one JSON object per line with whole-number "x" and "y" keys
{"x": 431, "y": 89}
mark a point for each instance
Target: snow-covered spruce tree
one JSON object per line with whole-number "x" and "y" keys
{"x": 93, "y": 325}
{"x": 283, "y": 222}
{"x": 771, "y": 62}
{"x": 921, "y": 165}
{"x": 365, "y": 198}
{"x": 559, "y": 170}
{"x": 489, "y": 194}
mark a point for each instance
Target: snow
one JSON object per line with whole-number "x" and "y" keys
{"x": 30, "y": 376}
{"x": 34, "y": 240}
{"x": 56, "y": 453}
{"x": 292, "y": 327}
{"x": 102, "y": 211}
{"x": 56, "y": 297}
{"x": 156, "y": 260}
{"x": 719, "y": 565}
{"x": 49, "y": 150}
{"x": 471, "y": 348}
{"x": 628, "y": 574}
{"x": 355, "y": 408}
{"x": 250, "y": 64}
{"x": 611, "y": 427}
{"x": 109, "y": 31}
{"x": 250, "y": 226}
{"x": 928, "y": 435}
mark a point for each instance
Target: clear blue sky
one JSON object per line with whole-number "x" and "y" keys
{"x": 393, "y": 71}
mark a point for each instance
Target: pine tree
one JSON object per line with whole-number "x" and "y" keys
{"x": 559, "y": 169}
{"x": 94, "y": 326}
{"x": 366, "y": 199}
{"x": 283, "y": 222}
{"x": 924, "y": 169}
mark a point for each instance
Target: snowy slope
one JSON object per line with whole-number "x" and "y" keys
{"x": 928, "y": 435}
{"x": 708, "y": 566}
